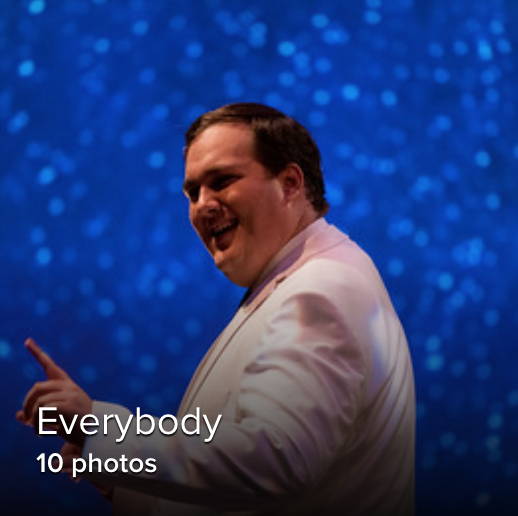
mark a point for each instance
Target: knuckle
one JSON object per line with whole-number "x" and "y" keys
{"x": 38, "y": 387}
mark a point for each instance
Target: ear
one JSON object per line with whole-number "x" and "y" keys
{"x": 292, "y": 181}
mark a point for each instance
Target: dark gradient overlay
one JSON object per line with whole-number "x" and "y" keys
{"x": 414, "y": 105}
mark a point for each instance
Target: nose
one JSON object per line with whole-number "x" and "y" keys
{"x": 207, "y": 203}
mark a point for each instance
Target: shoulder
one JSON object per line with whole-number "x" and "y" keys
{"x": 343, "y": 270}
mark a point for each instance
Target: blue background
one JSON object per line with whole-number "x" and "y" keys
{"x": 414, "y": 105}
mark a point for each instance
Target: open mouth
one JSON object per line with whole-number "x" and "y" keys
{"x": 222, "y": 233}
{"x": 217, "y": 231}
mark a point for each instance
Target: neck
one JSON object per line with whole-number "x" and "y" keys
{"x": 307, "y": 217}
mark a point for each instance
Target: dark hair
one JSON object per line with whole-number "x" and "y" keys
{"x": 279, "y": 140}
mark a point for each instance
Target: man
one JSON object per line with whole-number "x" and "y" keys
{"x": 312, "y": 377}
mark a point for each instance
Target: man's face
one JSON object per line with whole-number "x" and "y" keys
{"x": 237, "y": 207}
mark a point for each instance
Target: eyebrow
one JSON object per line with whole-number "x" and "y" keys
{"x": 207, "y": 174}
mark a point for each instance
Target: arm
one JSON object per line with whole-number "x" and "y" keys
{"x": 299, "y": 395}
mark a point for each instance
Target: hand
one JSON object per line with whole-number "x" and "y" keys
{"x": 59, "y": 391}
{"x": 68, "y": 453}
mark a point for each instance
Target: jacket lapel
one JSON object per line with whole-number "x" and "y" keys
{"x": 315, "y": 244}
{"x": 217, "y": 348}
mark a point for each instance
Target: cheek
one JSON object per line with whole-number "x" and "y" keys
{"x": 195, "y": 223}
{"x": 193, "y": 219}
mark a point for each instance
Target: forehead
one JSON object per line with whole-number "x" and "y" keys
{"x": 220, "y": 145}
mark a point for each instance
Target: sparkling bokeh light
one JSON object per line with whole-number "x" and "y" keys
{"x": 414, "y": 105}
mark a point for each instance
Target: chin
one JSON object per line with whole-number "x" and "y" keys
{"x": 233, "y": 268}
{"x": 239, "y": 281}
{"x": 235, "y": 275}
{"x": 221, "y": 261}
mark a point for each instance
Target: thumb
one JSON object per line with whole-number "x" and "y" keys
{"x": 20, "y": 416}
{"x": 52, "y": 370}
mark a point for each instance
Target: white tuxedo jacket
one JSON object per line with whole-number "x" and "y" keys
{"x": 314, "y": 383}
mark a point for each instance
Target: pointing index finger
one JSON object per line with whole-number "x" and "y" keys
{"x": 41, "y": 357}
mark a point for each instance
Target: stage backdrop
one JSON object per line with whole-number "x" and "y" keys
{"x": 414, "y": 105}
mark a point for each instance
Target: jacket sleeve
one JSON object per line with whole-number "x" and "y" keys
{"x": 299, "y": 397}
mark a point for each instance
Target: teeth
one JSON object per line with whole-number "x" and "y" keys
{"x": 222, "y": 228}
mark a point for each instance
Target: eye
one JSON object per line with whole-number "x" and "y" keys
{"x": 193, "y": 193}
{"x": 221, "y": 182}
